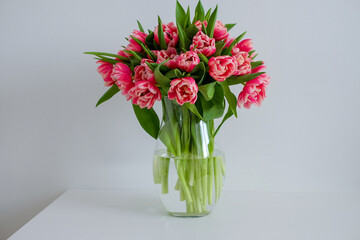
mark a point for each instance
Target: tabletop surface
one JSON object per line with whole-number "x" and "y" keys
{"x": 119, "y": 214}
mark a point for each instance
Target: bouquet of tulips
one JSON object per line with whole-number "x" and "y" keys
{"x": 189, "y": 67}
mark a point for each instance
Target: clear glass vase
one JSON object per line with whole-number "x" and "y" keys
{"x": 187, "y": 169}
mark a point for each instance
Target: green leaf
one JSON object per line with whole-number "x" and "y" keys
{"x": 211, "y": 23}
{"x": 256, "y": 64}
{"x": 191, "y": 31}
{"x": 215, "y": 107}
{"x": 219, "y": 47}
{"x": 203, "y": 28}
{"x": 135, "y": 54}
{"x": 160, "y": 78}
{"x": 109, "y": 60}
{"x": 187, "y": 18}
{"x": 228, "y": 114}
{"x": 207, "y": 90}
{"x": 207, "y": 15}
{"x": 148, "y": 120}
{"x": 199, "y": 12}
{"x": 171, "y": 74}
{"x": 198, "y": 73}
{"x": 230, "y": 97}
{"x": 230, "y": 26}
{"x": 180, "y": 15}
{"x": 251, "y": 52}
{"x": 109, "y": 93}
{"x": 149, "y": 40}
{"x": 99, "y": 54}
{"x": 145, "y": 48}
{"x": 203, "y": 58}
{"x": 242, "y": 79}
{"x": 193, "y": 109}
{"x": 227, "y": 51}
{"x": 179, "y": 74}
{"x": 140, "y": 26}
{"x": 161, "y": 35}
{"x": 184, "y": 41}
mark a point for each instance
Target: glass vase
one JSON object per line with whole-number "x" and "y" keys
{"x": 187, "y": 169}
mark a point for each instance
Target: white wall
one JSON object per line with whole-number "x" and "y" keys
{"x": 305, "y": 137}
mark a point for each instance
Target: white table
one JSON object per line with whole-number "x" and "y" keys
{"x": 117, "y": 214}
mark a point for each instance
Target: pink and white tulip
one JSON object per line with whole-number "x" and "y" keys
{"x": 243, "y": 63}
{"x": 222, "y": 67}
{"x": 258, "y": 69}
{"x": 183, "y": 90}
{"x": 133, "y": 45}
{"x": 122, "y": 76}
{"x": 188, "y": 60}
{"x": 170, "y": 34}
{"x": 170, "y": 54}
{"x": 144, "y": 94}
{"x": 198, "y": 24}
{"x": 105, "y": 70}
{"x": 143, "y": 71}
{"x": 220, "y": 31}
{"x": 243, "y": 46}
{"x": 254, "y": 92}
{"x": 203, "y": 44}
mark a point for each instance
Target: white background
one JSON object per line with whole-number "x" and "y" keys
{"x": 305, "y": 137}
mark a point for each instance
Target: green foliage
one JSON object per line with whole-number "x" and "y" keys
{"x": 207, "y": 15}
{"x": 230, "y": 97}
{"x": 150, "y": 41}
{"x": 145, "y": 48}
{"x": 207, "y": 90}
{"x": 148, "y": 120}
{"x": 198, "y": 73}
{"x": 230, "y": 26}
{"x": 191, "y": 31}
{"x": 161, "y": 35}
{"x": 215, "y": 107}
{"x": 203, "y": 58}
{"x": 108, "y": 94}
{"x": 256, "y": 64}
{"x": 219, "y": 47}
{"x": 193, "y": 109}
{"x": 161, "y": 79}
{"x": 227, "y": 51}
{"x": 233, "y": 80}
{"x": 211, "y": 23}
{"x": 199, "y": 13}
{"x": 140, "y": 26}
{"x": 102, "y": 54}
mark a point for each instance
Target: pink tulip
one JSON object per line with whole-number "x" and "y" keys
{"x": 254, "y": 91}
{"x": 105, "y": 70}
{"x": 243, "y": 63}
{"x": 243, "y": 46}
{"x": 124, "y": 54}
{"x": 133, "y": 45}
{"x": 187, "y": 61}
{"x": 122, "y": 76}
{"x": 198, "y": 24}
{"x": 203, "y": 44}
{"x": 170, "y": 34}
{"x": 144, "y": 94}
{"x": 228, "y": 42}
{"x": 183, "y": 90}
{"x": 143, "y": 71}
{"x": 170, "y": 54}
{"x": 222, "y": 67}
{"x": 220, "y": 31}
{"x": 258, "y": 69}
